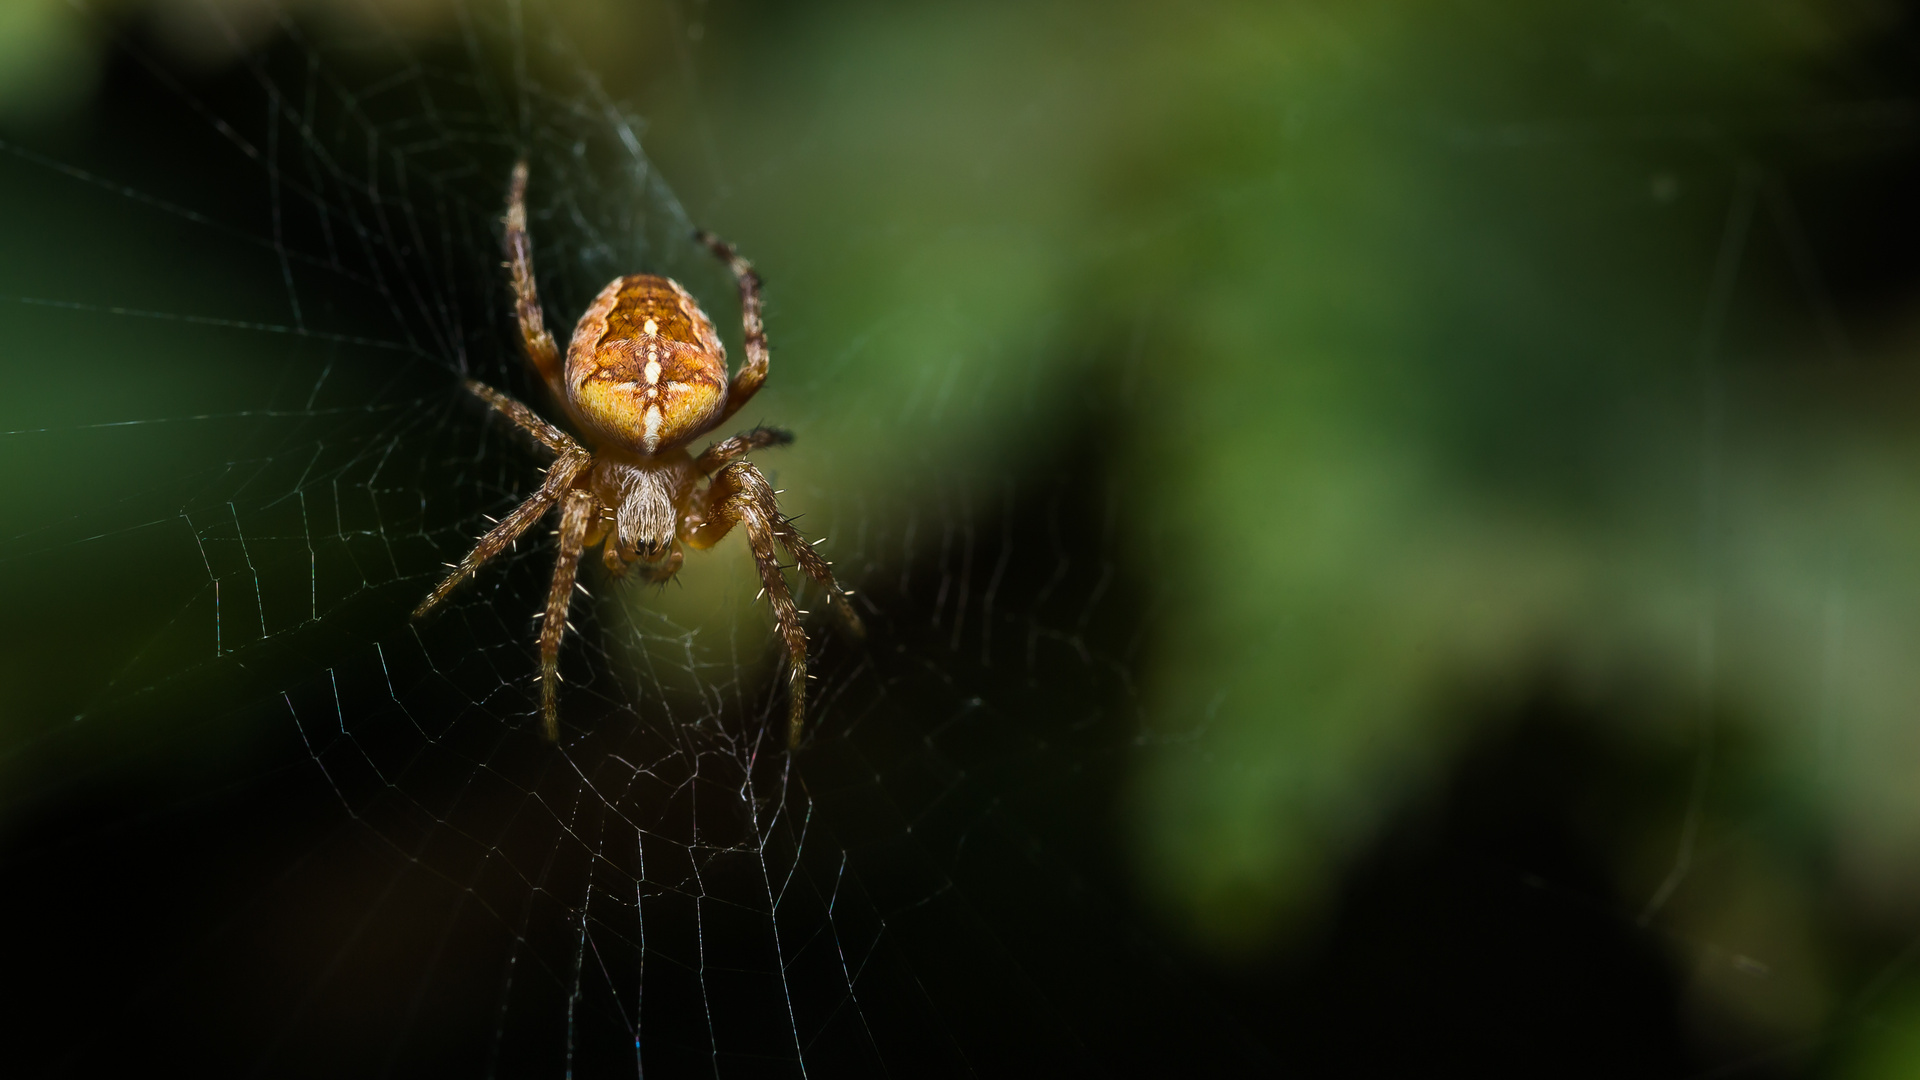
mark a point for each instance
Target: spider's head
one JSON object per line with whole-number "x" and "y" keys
{"x": 645, "y": 511}
{"x": 645, "y": 369}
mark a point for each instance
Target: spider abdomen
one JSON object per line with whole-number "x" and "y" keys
{"x": 645, "y": 369}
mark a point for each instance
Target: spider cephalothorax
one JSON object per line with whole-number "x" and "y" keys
{"x": 644, "y": 375}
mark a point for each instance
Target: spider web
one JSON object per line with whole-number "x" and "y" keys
{"x": 373, "y": 861}
{"x": 667, "y": 890}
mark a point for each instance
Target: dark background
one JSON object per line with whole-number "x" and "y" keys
{"x": 338, "y": 848}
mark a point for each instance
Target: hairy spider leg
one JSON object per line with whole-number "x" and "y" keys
{"x": 529, "y": 421}
{"x": 747, "y": 478}
{"x": 746, "y": 381}
{"x": 561, "y": 476}
{"x": 816, "y": 568}
{"x": 578, "y": 509}
{"x": 740, "y": 495}
{"x": 727, "y": 451}
{"x": 526, "y": 295}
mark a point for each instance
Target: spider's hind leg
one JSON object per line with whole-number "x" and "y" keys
{"x": 534, "y": 338}
{"x": 753, "y": 331}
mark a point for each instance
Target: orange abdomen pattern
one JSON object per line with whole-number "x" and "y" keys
{"x": 645, "y": 370}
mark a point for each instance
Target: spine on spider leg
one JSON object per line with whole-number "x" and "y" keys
{"x": 820, "y": 570}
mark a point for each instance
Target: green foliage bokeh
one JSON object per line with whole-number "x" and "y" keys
{"x": 1440, "y": 348}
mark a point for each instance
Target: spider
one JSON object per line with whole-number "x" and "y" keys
{"x": 644, "y": 375}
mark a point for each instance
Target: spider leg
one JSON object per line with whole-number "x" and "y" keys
{"x": 727, "y": 451}
{"x": 560, "y": 478}
{"x": 549, "y": 436}
{"x": 526, "y": 296}
{"x": 577, "y": 511}
{"x": 747, "y": 380}
{"x": 740, "y": 495}
{"x": 816, "y": 568}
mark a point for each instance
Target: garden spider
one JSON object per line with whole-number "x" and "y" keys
{"x": 644, "y": 375}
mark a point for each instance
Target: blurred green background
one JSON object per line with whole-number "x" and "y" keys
{"x": 1443, "y": 370}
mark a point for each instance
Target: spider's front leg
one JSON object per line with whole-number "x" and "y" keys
{"x": 578, "y": 509}
{"x": 728, "y": 451}
{"x": 740, "y": 495}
